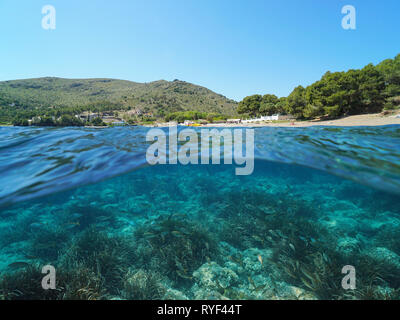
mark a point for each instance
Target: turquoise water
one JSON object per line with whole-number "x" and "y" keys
{"x": 84, "y": 201}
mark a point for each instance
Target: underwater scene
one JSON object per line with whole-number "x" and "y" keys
{"x": 85, "y": 202}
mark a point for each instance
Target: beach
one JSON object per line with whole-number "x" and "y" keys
{"x": 367, "y": 120}
{"x": 376, "y": 119}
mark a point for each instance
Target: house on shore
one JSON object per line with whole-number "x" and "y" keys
{"x": 87, "y": 116}
{"x": 274, "y": 117}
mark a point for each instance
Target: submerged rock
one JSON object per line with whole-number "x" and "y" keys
{"x": 172, "y": 294}
{"x": 348, "y": 246}
{"x": 212, "y": 276}
{"x": 255, "y": 260}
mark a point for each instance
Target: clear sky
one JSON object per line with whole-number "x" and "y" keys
{"x": 234, "y": 47}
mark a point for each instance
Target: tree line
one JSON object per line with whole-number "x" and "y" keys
{"x": 65, "y": 120}
{"x": 367, "y": 90}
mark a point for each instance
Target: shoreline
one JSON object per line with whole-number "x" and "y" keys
{"x": 364, "y": 120}
{"x": 367, "y": 120}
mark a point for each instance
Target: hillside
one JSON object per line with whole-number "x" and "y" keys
{"x": 55, "y": 96}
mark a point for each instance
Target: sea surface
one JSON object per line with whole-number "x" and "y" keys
{"x": 86, "y": 202}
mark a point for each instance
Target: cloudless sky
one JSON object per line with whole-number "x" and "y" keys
{"x": 234, "y": 47}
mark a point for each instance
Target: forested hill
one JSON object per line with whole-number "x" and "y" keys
{"x": 56, "y": 96}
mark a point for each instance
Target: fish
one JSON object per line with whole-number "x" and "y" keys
{"x": 180, "y": 274}
{"x": 70, "y": 225}
{"x": 103, "y": 218}
{"x": 269, "y": 239}
{"x": 257, "y": 238}
{"x": 149, "y": 235}
{"x": 176, "y": 233}
{"x": 76, "y": 216}
{"x": 111, "y": 206}
{"x": 30, "y": 257}
{"x": 36, "y": 226}
{"x": 18, "y": 265}
{"x": 259, "y": 257}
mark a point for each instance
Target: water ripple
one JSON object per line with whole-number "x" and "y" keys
{"x": 39, "y": 161}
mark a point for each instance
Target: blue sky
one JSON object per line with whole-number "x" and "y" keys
{"x": 236, "y": 48}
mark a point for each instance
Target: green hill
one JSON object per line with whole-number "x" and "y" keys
{"x": 57, "y": 96}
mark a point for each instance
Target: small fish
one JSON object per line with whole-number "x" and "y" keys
{"x": 179, "y": 273}
{"x": 292, "y": 247}
{"x": 259, "y": 257}
{"x": 75, "y": 216}
{"x": 103, "y": 218}
{"x": 18, "y": 265}
{"x": 35, "y": 226}
{"x": 257, "y": 238}
{"x": 70, "y": 225}
{"x": 149, "y": 235}
{"x": 27, "y": 256}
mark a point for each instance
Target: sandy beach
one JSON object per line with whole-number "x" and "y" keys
{"x": 352, "y": 121}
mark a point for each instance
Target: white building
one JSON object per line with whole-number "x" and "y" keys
{"x": 274, "y": 117}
